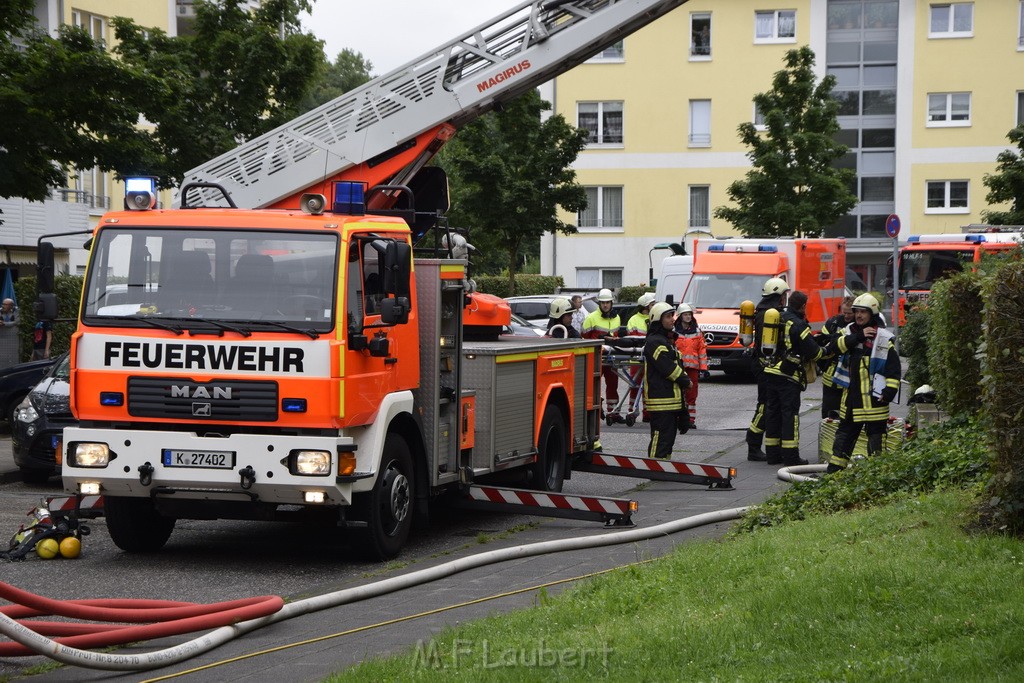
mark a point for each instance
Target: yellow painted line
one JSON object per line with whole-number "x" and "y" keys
{"x": 517, "y": 357}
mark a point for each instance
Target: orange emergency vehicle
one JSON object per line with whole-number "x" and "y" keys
{"x": 727, "y": 272}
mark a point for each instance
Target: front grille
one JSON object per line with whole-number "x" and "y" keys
{"x": 183, "y": 399}
{"x": 720, "y": 338}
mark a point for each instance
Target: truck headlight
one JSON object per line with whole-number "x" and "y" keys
{"x": 89, "y": 455}
{"x": 310, "y": 463}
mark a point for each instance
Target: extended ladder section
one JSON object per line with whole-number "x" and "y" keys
{"x": 387, "y": 129}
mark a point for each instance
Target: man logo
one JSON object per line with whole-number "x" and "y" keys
{"x": 709, "y": 337}
{"x": 201, "y": 410}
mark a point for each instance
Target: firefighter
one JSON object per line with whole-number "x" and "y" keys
{"x": 665, "y": 381}
{"x": 603, "y": 323}
{"x": 560, "y": 320}
{"x": 785, "y": 379}
{"x": 637, "y": 327}
{"x": 694, "y": 353}
{"x": 869, "y": 370}
{"x": 773, "y": 297}
{"x": 831, "y": 395}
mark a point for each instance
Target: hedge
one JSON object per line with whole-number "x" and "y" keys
{"x": 526, "y": 284}
{"x": 955, "y": 307}
{"x": 69, "y": 294}
{"x": 914, "y": 345}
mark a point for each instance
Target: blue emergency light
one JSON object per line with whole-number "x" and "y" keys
{"x": 769, "y": 248}
{"x": 293, "y": 405}
{"x": 111, "y": 398}
{"x": 716, "y": 247}
{"x": 913, "y": 239}
{"x": 975, "y": 238}
{"x": 349, "y": 197}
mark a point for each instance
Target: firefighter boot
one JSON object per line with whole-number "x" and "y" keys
{"x": 754, "y": 451}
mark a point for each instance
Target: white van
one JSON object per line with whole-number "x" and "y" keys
{"x": 675, "y": 275}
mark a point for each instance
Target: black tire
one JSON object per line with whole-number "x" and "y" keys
{"x": 548, "y": 473}
{"x": 134, "y": 524}
{"x": 388, "y": 508}
{"x": 30, "y": 475}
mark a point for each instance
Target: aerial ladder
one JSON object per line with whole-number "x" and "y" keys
{"x": 387, "y": 130}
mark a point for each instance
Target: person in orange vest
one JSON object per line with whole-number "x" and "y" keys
{"x": 637, "y": 327}
{"x": 694, "y": 352}
{"x": 604, "y": 323}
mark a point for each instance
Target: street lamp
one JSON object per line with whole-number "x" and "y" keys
{"x": 677, "y": 249}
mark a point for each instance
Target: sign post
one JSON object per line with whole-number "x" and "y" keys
{"x": 892, "y": 229}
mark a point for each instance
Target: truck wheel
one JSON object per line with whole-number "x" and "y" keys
{"x": 134, "y": 524}
{"x": 388, "y": 508}
{"x": 548, "y": 473}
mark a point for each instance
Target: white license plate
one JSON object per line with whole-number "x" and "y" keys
{"x": 714, "y": 361}
{"x": 218, "y": 460}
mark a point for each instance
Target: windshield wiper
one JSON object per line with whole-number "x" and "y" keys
{"x": 216, "y": 323}
{"x": 312, "y": 334}
{"x": 149, "y": 321}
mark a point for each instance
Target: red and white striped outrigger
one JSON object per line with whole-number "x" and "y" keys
{"x": 611, "y": 511}
{"x": 712, "y": 476}
{"x": 84, "y": 506}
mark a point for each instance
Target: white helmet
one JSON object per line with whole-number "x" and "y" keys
{"x": 646, "y": 299}
{"x": 866, "y": 301}
{"x": 560, "y": 307}
{"x": 774, "y": 285}
{"x": 605, "y": 295}
{"x": 659, "y": 309}
{"x": 684, "y": 308}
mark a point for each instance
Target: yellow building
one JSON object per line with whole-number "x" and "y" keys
{"x": 927, "y": 94}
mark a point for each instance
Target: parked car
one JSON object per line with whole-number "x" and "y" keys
{"x": 39, "y": 422}
{"x": 523, "y": 327}
{"x": 536, "y": 308}
{"x": 15, "y": 383}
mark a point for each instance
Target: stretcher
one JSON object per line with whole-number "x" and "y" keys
{"x": 628, "y": 364}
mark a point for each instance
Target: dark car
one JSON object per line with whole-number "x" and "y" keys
{"x": 39, "y": 422}
{"x": 16, "y": 381}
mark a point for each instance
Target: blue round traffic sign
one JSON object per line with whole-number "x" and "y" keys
{"x": 892, "y": 225}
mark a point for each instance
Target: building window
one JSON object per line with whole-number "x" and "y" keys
{"x": 700, "y": 36}
{"x": 947, "y": 196}
{"x": 1020, "y": 27}
{"x": 93, "y": 24}
{"x": 775, "y": 26}
{"x": 951, "y": 20}
{"x": 604, "y": 209}
{"x": 700, "y": 206}
{"x": 602, "y": 120}
{"x": 596, "y": 278}
{"x": 700, "y": 123}
{"x": 1020, "y": 107}
{"x": 759, "y": 122}
{"x": 949, "y": 109}
{"x": 613, "y": 53}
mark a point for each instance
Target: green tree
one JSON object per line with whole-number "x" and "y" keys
{"x": 793, "y": 187}
{"x": 509, "y": 174}
{"x": 1007, "y": 185}
{"x": 241, "y": 73}
{"x": 348, "y": 71}
{"x": 64, "y": 102}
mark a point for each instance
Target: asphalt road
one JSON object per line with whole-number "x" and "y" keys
{"x": 207, "y": 561}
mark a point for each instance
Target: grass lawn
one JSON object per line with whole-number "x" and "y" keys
{"x": 898, "y": 592}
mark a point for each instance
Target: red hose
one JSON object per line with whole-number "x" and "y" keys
{"x": 162, "y": 618}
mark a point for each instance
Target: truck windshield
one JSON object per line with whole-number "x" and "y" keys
{"x": 139, "y": 275}
{"x": 920, "y": 269}
{"x": 722, "y": 290}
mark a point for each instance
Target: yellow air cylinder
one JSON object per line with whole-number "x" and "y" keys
{"x": 747, "y": 323}
{"x": 770, "y": 332}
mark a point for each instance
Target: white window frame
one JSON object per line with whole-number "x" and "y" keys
{"x": 599, "y": 210}
{"x": 1020, "y": 27}
{"x": 694, "y": 55}
{"x": 600, "y": 123}
{"x": 1020, "y": 108}
{"x": 948, "y": 121}
{"x": 696, "y": 138}
{"x": 949, "y": 32}
{"x": 774, "y": 38}
{"x": 946, "y": 208}
{"x": 600, "y": 280}
{"x": 706, "y": 223}
{"x": 758, "y": 119}
{"x": 613, "y": 54}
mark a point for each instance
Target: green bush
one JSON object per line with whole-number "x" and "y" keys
{"x": 1003, "y": 396}
{"x": 526, "y": 284}
{"x": 69, "y": 294}
{"x": 914, "y": 345}
{"x": 955, "y": 306}
{"x": 631, "y": 293}
{"x": 946, "y": 455}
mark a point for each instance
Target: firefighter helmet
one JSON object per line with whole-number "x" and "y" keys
{"x": 868, "y": 302}
{"x": 560, "y": 307}
{"x": 605, "y": 295}
{"x": 646, "y": 299}
{"x": 659, "y": 309}
{"x": 774, "y": 285}
{"x": 684, "y": 308}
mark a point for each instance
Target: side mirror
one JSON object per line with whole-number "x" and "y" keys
{"x": 45, "y": 306}
{"x": 395, "y": 311}
{"x": 397, "y": 269}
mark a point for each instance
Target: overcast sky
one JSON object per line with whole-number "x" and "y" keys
{"x": 390, "y": 33}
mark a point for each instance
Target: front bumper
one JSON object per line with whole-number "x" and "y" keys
{"x": 259, "y": 471}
